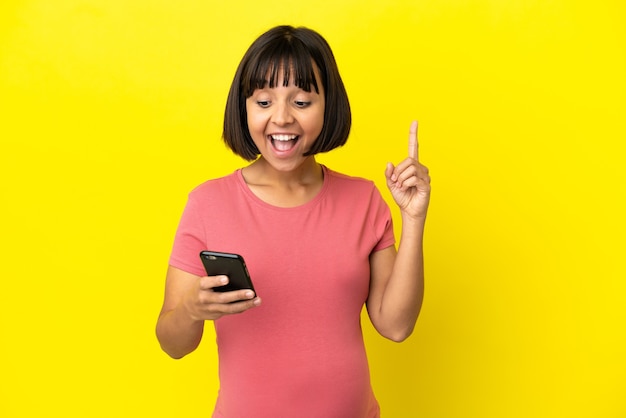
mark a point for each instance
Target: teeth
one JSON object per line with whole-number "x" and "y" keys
{"x": 283, "y": 137}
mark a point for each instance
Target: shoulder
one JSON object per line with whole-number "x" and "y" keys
{"x": 345, "y": 180}
{"x": 216, "y": 186}
{"x": 214, "y": 193}
{"x": 351, "y": 186}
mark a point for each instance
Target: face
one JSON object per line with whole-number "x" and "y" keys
{"x": 284, "y": 122}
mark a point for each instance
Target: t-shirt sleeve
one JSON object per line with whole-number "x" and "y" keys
{"x": 383, "y": 223}
{"x": 189, "y": 241}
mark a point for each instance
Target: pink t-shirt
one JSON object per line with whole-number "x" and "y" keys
{"x": 301, "y": 353}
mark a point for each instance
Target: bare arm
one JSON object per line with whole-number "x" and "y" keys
{"x": 397, "y": 285}
{"x": 189, "y": 301}
{"x": 397, "y": 279}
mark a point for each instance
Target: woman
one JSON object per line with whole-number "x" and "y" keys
{"x": 318, "y": 245}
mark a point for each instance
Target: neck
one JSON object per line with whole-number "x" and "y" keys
{"x": 284, "y": 188}
{"x": 262, "y": 173}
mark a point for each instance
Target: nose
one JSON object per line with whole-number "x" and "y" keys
{"x": 282, "y": 114}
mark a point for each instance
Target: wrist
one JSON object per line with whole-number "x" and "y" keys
{"x": 187, "y": 315}
{"x": 418, "y": 220}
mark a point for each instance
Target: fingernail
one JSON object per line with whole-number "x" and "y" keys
{"x": 249, "y": 295}
{"x": 224, "y": 279}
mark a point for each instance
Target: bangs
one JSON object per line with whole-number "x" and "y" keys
{"x": 287, "y": 58}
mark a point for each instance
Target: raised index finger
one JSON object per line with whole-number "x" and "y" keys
{"x": 413, "y": 145}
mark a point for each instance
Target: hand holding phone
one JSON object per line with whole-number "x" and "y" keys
{"x": 228, "y": 264}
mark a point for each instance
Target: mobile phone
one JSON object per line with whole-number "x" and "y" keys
{"x": 228, "y": 264}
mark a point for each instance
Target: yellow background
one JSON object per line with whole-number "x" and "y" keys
{"x": 111, "y": 111}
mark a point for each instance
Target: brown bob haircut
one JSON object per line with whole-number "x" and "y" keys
{"x": 292, "y": 50}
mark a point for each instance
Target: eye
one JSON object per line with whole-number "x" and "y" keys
{"x": 302, "y": 104}
{"x": 263, "y": 103}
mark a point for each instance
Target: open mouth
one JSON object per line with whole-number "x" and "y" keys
{"x": 284, "y": 142}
